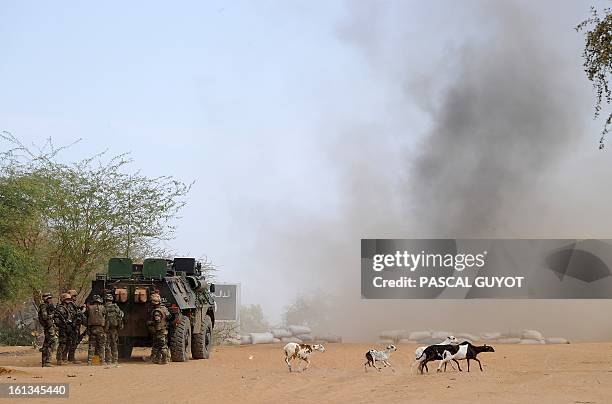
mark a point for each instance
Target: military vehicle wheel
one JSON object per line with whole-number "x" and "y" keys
{"x": 125, "y": 351}
{"x": 201, "y": 344}
{"x": 180, "y": 342}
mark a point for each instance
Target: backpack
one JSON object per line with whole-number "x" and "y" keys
{"x": 114, "y": 316}
{"x": 96, "y": 315}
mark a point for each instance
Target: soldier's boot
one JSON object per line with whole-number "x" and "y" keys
{"x": 165, "y": 357}
{"x": 46, "y": 358}
{"x": 58, "y": 358}
{"x": 154, "y": 358}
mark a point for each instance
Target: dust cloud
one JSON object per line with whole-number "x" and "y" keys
{"x": 505, "y": 151}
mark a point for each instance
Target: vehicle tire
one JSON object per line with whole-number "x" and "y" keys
{"x": 180, "y": 341}
{"x": 201, "y": 344}
{"x": 124, "y": 351}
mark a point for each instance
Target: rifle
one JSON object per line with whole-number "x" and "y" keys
{"x": 58, "y": 313}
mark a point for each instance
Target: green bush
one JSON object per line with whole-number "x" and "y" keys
{"x": 16, "y": 336}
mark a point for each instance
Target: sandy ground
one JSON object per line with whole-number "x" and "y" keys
{"x": 576, "y": 373}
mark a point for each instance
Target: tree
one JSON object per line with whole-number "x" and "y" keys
{"x": 68, "y": 219}
{"x": 312, "y": 311}
{"x": 252, "y": 319}
{"x": 597, "y": 64}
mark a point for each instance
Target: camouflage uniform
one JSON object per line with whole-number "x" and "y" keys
{"x": 114, "y": 322}
{"x": 75, "y": 335}
{"x": 96, "y": 318}
{"x": 64, "y": 319}
{"x": 158, "y": 328}
{"x": 45, "y": 317}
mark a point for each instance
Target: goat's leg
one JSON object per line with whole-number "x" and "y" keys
{"x": 288, "y": 362}
{"x": 423, "y": 365}
{"x": 468, "y": 365}
{"x": 389, "y": 364}
{"x": 478, "y": 360}
{"x": 442, "y": 362}
{"x": 457, "y": 362}
{"x": 307, "y": 360}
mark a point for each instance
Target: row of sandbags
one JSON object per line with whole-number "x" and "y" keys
{"x": 292, "y": 333}
{"x": 525, "y": 337}
{"x": 435, "y": 337}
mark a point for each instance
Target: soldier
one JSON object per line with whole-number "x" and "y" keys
{"x": 114, "y": 322}
{"x": 158, "y": 327}
{"x": 64, "y": 320}
{"x": 75, "y": 335}
{"x": 45, "y": 317}
{"x": 96, "y": 319}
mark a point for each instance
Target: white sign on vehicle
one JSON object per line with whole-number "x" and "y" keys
{"x": 227, "y": 302}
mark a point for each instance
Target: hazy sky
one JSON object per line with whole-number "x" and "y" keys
{"x": 253, "y": 101}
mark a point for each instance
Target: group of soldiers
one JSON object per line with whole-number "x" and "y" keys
{"x": 103, "y": 319}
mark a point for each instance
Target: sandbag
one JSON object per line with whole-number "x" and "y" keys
{"x": 305, "y": 337}
{"x": 286, "y": 340}
{"x": 419, "y": 335}
{"x": 512, "y": 334}
{"x": 508, "y": 341}
{"x": 556, "y": 340}
{"x": 441, "y": 335}
{"x": 467, "y": 336}
{"x": 245, "y": 339}
{"x": 299, "y": 329}
{"x": 488, "y": 336}
{"x": 276, "y": 340}
{"x": 531, "y": 334}
{"x": 329, "y": 338}
{"x": 392, "y": 334}
{"x": 429, "y": 341}
{"x": 281, "y": 333}
{"x": 261, "y": 337}
{"x": 527, "y": 341}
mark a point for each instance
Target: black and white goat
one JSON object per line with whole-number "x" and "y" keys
{"x": 466, "y": 351}
{"x": 300, "y": 351}
{"x": 418, "y": 353}
{"x": 447, "y": 353}
{"x": 374, "y": 356}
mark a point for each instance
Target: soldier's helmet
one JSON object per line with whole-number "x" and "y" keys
{"x": 66, "y": 296}
{"x": 47, "y": 296}
{"x": 155, "y": 298}
{"x": 73, "y": 292}
{"x": 96, "y": 298}
{"x": 108, "y": 297}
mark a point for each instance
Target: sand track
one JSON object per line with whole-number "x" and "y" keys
{"x": 575, "y": 373}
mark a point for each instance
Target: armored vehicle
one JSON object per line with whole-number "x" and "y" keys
{"x": 183, "y": 290}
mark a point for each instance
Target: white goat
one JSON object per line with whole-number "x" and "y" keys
{"x": 374, "y": 356}
{"x": 418, "y": 353}
{"x": 301, "y": 351}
